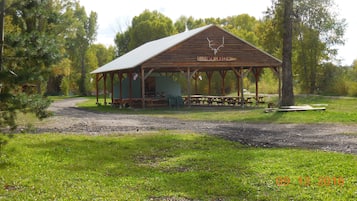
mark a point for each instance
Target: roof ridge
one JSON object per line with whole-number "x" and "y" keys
{"x": 143, "y": 50}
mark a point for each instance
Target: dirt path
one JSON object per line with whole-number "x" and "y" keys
{"x": 330, "y": 137}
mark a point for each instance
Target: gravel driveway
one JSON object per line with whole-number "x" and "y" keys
{"x": 329, "y": 137}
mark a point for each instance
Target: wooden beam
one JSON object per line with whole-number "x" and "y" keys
{"x": 247, "y": 72}
{"x": 236, "y": 71}
{"x": 195, "y": 71}
{"x": 180, "y": 70}
{"x": 275, "y": 71}
{"x": 148, "y": 74}
{"x": 99, "y": 77}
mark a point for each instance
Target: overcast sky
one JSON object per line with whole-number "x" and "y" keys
{"x": 115, "y": 15}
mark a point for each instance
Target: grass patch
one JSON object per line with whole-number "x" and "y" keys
{"x": 168, "y": 165}
{"x": 55, "y": 98}
{"x": 29, "y": 120}
{"x": 339, "y": 110}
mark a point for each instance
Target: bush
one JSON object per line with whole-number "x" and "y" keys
{"x": 38, "y": 105}
{"x": 268, "y": 83}
{"x": 22, "y": 103}
{"x": 3, "y": 142}
{"x": 352, "y": 88}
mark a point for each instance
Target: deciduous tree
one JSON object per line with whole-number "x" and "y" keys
{"x": 148, "y": 26}
{"x": 83, "y": 29}
{"x": 317, "y": 31}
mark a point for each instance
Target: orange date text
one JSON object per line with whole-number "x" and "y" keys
{"x": 322, "y": 181}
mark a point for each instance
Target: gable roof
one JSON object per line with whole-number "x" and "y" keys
{"x": 149, "y": 50}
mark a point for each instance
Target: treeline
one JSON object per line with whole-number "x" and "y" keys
{"x": 317, "y": 31}
{"x": 49, "y": 44}
{"x": 49, "y": 49}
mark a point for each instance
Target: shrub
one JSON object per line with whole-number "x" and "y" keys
{"x": 352, "y": 88}
{"x": 3, "y": 142}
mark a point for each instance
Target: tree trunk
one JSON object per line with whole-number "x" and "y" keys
{"x": 53, "y": 87}
{"x": 82, "y": 85}
{"x": 2, "y": 23}
{"x": 287, "y": 88}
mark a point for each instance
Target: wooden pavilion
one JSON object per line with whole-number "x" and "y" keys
{"x": 206, "y": 50}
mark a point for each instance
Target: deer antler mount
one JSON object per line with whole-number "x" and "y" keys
{"x": 211, "y": 44}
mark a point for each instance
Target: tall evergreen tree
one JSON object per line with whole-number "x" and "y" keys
{"x": 31, "y": 45}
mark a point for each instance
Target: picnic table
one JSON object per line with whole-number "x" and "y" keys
{"x": 221, "y": 100}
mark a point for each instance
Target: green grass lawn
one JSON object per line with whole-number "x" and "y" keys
{"x": 339, "y": 110}
{"x": 168, "y": 165}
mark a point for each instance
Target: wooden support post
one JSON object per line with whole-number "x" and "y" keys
{"x": 195, "y": 77}
{"x": 237, "y": 73}
{"x": 223, "y": 74}
{"x": 105, "y": 88}
{"x": 256, "y": 72}
{"x": 97, "y": 87}
{"x": 112, "y": 86}
{"x": 280, "y": 84}
{"x": 238, "y": 85}
{"x": 189, "y": 75}
{"x": 130, "y": 76}
{"x": 189, "y": 86}
{"x": 143, "y": 77}
{"x": 257, "y": 88}
{"x": 120, "y": 76}
{"x": 209, "y": 76}
{"x": 242, "y": 87}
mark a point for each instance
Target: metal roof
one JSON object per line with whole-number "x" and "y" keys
{"x": 147, "y": 51}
